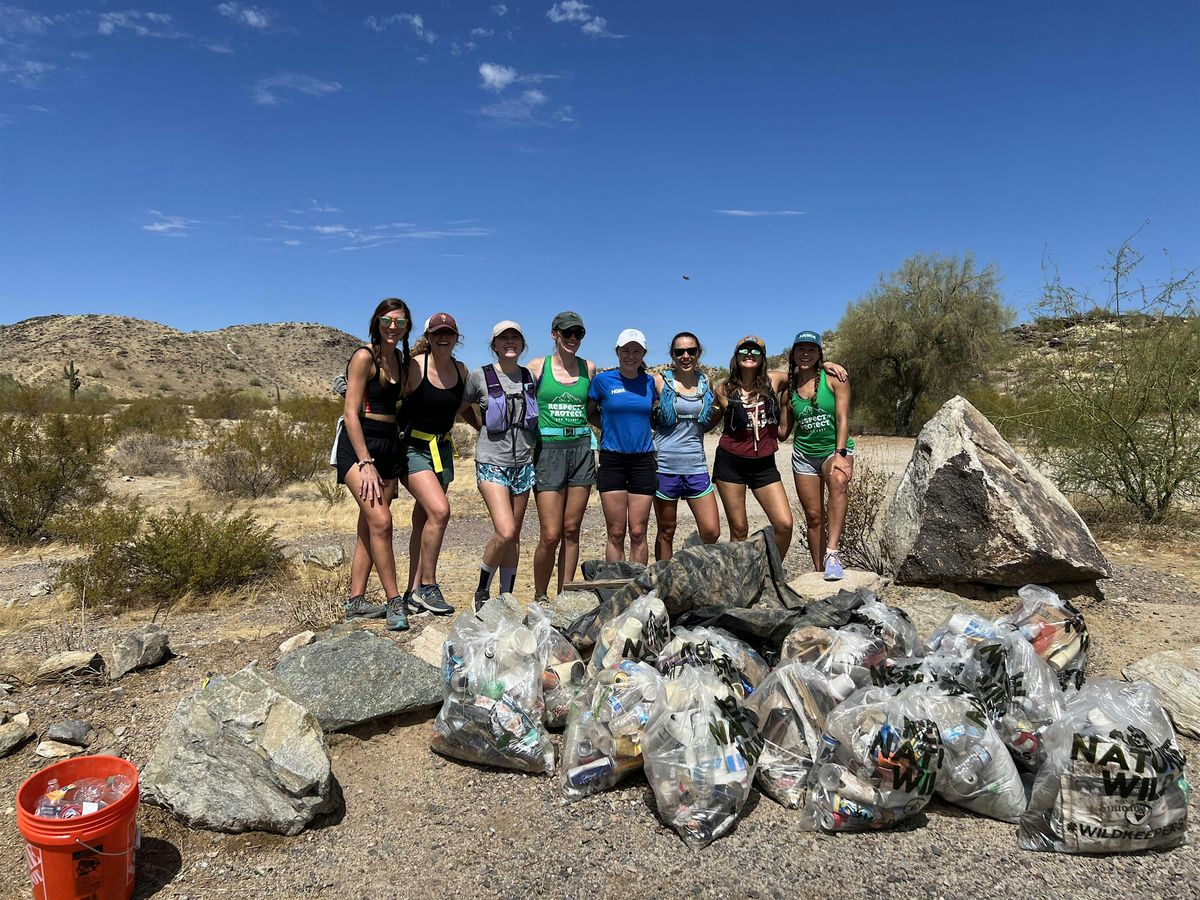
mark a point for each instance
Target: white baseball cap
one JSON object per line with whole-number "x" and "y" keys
{"x": 632, "y": 336}
{"x": 501, "y": 327}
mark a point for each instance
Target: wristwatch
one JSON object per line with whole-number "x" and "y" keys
{"x": 842, "y": 451}
{"x": 370, "y": 461}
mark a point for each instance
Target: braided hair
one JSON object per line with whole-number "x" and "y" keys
{"x": 793, "y": 377}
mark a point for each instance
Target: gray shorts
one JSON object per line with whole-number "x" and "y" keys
{"x": 562, "y": 464}
{"x": 803, "y": 464}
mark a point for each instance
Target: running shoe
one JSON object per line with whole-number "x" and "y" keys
{"x": 395, "y": 615}
{"x": 481, "y": 597}
{"x": 361, "y": 608}
{"x": 833, "y": 566}
{"x": 428, "y": 598}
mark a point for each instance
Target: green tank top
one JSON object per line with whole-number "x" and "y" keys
{"x": 562, "y": 408}
{"x": 816, "y": 428}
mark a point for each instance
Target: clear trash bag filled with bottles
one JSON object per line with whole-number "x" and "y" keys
{"x": 879, "y": 763}
{"x": 493, "y": 709}
{"x": 790, "y": 706}
{"x": 701, "y": 750}
{"x": 639, "y": 633}
{"x": 737, "y": 663}
{"x": 563, "y": 670}
{"x": 888, "y": 623}
{"x": 977, "y": 772}
{"x": 949, "y": 669}
{"x": 1056, "y": 630}
{"x": 1113, "y": 779}
{"x": 851, "y": 657}
{"x": 605, "y": 724}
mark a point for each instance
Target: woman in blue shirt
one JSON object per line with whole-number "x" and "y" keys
{"x": 627, "y": 476}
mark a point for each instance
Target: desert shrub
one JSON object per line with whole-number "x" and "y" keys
{"x": 318, "y": 601}
{"x": 109, "y": 533}
{"x": 146, "y": 453}
{"x": 331, "y": 493}
{"x": 227, "y": 405}
{"x": 169, "y": 420}
{"x": 256, "y": 457}
{"x": 860, "y": 538}
{"x": 324, "y": 410}
{"x": 47, "y": 464}
{"x": 191, "y": 552}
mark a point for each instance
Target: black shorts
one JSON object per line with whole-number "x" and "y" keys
{"x": 383, "y": 445}
{"x": 753, "y": 472}
{"x": 636, "y": 473}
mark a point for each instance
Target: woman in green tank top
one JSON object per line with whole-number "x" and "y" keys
{"x": 564, "y": 464}
{"x": 822, "y": 450}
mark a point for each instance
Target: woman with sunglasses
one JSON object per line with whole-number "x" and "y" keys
{"x": 822, "y": 451}
{"x": 685, "y": 411}
{"x": 438, "y": 382}
{"x": 749, "y": 402}
{"x": 564, "y": 463}
{"x": 370, "y": 458}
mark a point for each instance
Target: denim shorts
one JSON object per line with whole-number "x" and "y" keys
{"x": 683, "y": 487}
{"x": 518, "y": 479}
{"x": 803, "y": 464}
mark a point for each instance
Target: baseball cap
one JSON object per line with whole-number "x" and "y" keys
{"x": 507, "y": 324}
{"x": 753, "y": 339}
{"x": 440, "y": 322}
{"x": 807, "y": 337}
{"x": 631, "y": 336}
{"x": 565, "y": 320}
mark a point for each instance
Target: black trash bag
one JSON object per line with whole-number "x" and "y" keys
{"x": 600, "y": 569}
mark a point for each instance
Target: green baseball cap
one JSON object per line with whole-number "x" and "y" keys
{"x": 807, "y": 337}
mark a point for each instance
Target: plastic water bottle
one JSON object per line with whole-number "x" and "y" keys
{"x": 50, "y": 803}
{"x": 967, "y": 770}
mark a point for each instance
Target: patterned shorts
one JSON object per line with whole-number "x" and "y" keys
{"x": 518, "y": 479}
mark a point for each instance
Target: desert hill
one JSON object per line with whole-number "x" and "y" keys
{"x": 125, "y": 357}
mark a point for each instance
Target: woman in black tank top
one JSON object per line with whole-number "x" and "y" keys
{"x": 370, "y": 457}
{"x": 437, "y": 382}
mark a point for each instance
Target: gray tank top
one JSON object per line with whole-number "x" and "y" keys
{"x": 681, "y": 447}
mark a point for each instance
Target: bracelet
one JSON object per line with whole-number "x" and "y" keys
{"x": 370, "y": 461}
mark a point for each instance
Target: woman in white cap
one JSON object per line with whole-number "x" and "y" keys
{"x": 501, "y": 402}
{"x": 564, "y": 463}
{"x": 627, "y": 476}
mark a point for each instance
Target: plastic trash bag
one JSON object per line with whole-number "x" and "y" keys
{"x": 950, "y": 669}
{"x": 879, "y": 764}
{"x": 850, "y": 657}
{"x": 1113, "y": 780}
{"x": 962, "y": 630}
{"x": 1055, "y": 628}
{"x": 605, "y": 724}
{"x": 734, "y": 661}
{"x": 701, "y": 750}
{"x": 977, "y": 772}
{"x": 492, "y": 713}
{"x": 563, "y": 670}
{"x": 790, "y": 706}
{"x": 888, "y": 623}
{"x": 638, "y": 633}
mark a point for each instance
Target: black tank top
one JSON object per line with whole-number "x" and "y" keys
{"x": 432, "y": 409}
{"x": 380, "y": 396}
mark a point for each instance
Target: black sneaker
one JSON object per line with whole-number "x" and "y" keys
{"x": 481, "y": 597}
{"x": 361, "y": 608}
{"x": 427, "y": 598}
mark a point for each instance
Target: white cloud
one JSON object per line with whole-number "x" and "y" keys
{"x": 250, "y": 16}
{"x": 577, "y": 12}
{"x": 218, "y": 47}
{"x": 519, "y": 110}
{"x": 412, "y": 20}
{"x": 15, "y": 20}
{"x": 368, "y": 236}
{"x": 138, "y": 23}
{"x": 500, "y": 9}
{"x": 331, "y": 229}
{"x": 27, "y": 73}
{"x": 496, "y": 77}
{"x": 482, "y": 32}
{"x": 293, "y": 243}
{"x": 267, "y": 91}
{"x": 168, "y": 226}
{"x": 753, "y": 213}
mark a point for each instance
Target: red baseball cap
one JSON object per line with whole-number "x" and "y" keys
{"x": 441, "y": 322}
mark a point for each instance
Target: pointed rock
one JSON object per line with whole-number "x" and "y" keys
{"x": 139, "y": 648}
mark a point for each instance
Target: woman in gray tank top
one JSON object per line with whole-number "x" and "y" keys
{"x": 684, "y": 413}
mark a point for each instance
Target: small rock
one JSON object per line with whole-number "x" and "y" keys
{"x": 813, "y": 586}
{"x": 303, "y": 639}
{"x": 55, "y": 749}
{"x": 120, "y": 730}
{"x": 72, "y": 731}
{"x": 41, "y": 589}
{"x": 137, "y": 649}
{"x": 12, "y": 734}
{"x": 71, "y": 662}
{"x": 22, "y": 717}
{"x": 127, "y": 478}
{"x": 329, "y": 556}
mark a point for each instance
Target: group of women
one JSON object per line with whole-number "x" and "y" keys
{"x": 535, "y": 434}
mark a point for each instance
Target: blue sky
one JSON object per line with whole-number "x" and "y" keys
{"x": 206, "y": 164}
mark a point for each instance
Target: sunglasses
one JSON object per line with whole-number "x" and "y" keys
{"x": 392, "y": 321}
{"x": 749, "y": 351}
{"x": 685, "y": 351}
{"x": 573, "y": 334}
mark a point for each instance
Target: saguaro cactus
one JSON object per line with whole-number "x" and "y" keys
{"x": 72, "y": 378}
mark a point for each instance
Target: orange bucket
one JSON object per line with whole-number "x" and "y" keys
{"x": 89, "y": 856}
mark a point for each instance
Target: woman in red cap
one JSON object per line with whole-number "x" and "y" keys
{"x": 437, "y": 382}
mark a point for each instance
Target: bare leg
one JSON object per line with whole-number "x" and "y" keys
{"x": 733, "y": 498}
{"x": 808, "y": 489}
{"x": 839, "y": 498}
{"x": 774, "y": 501}
{"x": 616, "y": 519}
{"x": 431, "y": 513}
{"x": 378, "y": 517}
{"x": 639, "y": 524}
{"x": 504, "y": 524}
{"x": 512, "y": 555}
{"x": 568, "y": 554}
{"x": 360, "y": 562}
{"x": 550, "y": 520}
{"x": 666, "y": 515}
{"x": 708, "y": 520}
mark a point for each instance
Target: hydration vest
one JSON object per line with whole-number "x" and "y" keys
{"x": 665, "y": 415}
{"x": 496, "y": 416}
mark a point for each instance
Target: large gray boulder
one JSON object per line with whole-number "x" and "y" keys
{"x": 240, "y": 755}
{"x": 969, "y": 509}
{"x": 1176, "y": 674}
{"x": 138, "y": 648}
{"x": 347, "y": 679}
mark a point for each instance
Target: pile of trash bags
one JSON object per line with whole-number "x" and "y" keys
{"x": 835, "y": 709}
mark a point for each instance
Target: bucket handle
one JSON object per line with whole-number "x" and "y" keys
{"x": 137, "y": 845}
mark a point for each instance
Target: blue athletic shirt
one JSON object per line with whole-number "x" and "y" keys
{"x": 625, "y": 405}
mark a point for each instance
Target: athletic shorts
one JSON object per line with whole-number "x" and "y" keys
{"x": 420, "y": 459}
{"x": 636, "y": 473}
{"x": 683, "y": 487}
{"x": 559, "y": 465}
{"x": 753, "y": 471}
{"x": 803, "y": 464}
{"x": 518, "y": 479}
{"x": 383, "y": 445}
